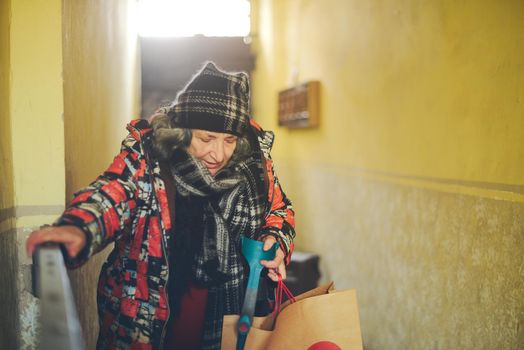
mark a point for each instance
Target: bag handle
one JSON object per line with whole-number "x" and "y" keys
{"x": 279, "y": 291}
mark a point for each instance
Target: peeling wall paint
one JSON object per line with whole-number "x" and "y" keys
{"x": 29, "y": 305}
{"x": 29, "y": 325}
{"x": 9, "y": 299}
{"x": 432, "y": 270}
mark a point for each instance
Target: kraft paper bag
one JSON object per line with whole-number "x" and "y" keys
{"x": 320, "y": 319}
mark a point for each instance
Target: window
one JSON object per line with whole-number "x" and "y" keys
{"x": 177, "y": 18}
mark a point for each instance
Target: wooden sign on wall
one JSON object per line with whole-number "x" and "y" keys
{"x": 298, "y": 107}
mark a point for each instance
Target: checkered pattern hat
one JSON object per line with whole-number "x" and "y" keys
{"x": 213, "y": 100}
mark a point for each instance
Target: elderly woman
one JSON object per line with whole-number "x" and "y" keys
{"x": 175, "y": 202}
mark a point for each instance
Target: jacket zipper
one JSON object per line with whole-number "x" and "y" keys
{"x": 164, "y": 250}
{"x": 162, "y": 336}
{"x": 163, "y": 243}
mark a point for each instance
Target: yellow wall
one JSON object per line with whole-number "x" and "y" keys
{"x": 31, "y": 150}
{"x": 417, "y": 168}
{"x": 68, "y": 85}
{"x": 6, "y": 161}
{"x": 36, "y": 102}
{"x": 101, "y": 95}
{"x": 100, "y": 84}
{"x": 8, "y": 296}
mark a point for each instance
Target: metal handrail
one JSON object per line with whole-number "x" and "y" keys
{"x": 58, "y": 317}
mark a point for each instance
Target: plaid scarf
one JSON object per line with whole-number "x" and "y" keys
{"x": 211, "y": 213}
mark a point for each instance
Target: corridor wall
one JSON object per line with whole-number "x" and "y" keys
{"x": 412, "y": 187}
{"x": 8, "y": 259}
{"x": 31, "y": 150}
{"x": 101, "y": 95}
{"x": 69, "y": 83}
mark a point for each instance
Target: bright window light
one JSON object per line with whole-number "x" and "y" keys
{"x": 168, "y": 18}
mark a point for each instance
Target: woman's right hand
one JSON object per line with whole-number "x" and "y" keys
{"x": 73, "y": 238}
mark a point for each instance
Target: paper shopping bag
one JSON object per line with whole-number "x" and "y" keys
{"x": 328, "y": 321}
{"x": 257, "y": 338}
{"x": 262, "y": 328}
{"x": 319, "y": 319}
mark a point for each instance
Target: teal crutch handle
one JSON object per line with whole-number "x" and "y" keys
{"x": 253, "y": 251}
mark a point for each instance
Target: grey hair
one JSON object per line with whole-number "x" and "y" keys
{"x": 167, "y": 139}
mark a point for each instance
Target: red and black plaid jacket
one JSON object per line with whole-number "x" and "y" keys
{"x": 128, "y": 205}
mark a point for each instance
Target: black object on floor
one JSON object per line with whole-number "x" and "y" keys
{"x": 302, "y": 272}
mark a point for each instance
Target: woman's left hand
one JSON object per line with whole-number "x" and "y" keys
{"x": 277, "y": 264}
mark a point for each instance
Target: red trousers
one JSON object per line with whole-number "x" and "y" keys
{"x": 185, "y": 331}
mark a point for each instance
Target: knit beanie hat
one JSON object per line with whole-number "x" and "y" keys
{"x": 213, "y": 100}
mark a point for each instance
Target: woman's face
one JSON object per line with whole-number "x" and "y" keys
{"x": 213, "y": 149}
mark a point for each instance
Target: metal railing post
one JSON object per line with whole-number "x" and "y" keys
{"x": 60, "y": 328}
